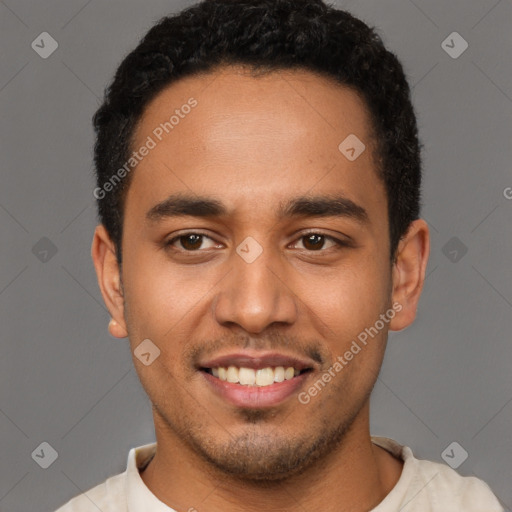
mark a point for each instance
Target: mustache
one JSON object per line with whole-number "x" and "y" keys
{"x": 278, "y": 342}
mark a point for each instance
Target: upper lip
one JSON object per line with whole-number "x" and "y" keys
{"x": 258, "y": 360}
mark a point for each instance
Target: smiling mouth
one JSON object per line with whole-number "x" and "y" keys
{"x": 252, "y": 377}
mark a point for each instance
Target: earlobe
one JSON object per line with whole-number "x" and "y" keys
{"x": 116, "y": 330}
{"x": 109, "y": 280}
{"x": 409, "y": 273}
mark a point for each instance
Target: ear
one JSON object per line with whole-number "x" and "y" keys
{"x": 103, "y": 254}
{"x": 409, "y": 273}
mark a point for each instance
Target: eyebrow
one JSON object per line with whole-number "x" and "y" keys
{"x": 181, "y": 205}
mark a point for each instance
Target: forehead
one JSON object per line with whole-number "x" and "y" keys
{"x": 236, "y": 100}
{"x": 255, "y": 139}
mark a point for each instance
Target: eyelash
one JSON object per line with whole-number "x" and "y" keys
{"x": 339, "y": 243}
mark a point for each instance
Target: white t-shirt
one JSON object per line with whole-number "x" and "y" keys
{"x": 424, "y": 486}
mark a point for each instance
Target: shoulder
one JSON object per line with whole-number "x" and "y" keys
{"x": 445, "y": 485}
{"x": 428, "y": 485}
{"x": 114, "y": 493}
{"x": 108, "y": 496}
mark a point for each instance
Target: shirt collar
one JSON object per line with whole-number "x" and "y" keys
{"x": 138, "y": 496}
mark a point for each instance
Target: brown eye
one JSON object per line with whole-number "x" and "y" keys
{"x": 316, "y": 242}
{"x": 190, "y": 242}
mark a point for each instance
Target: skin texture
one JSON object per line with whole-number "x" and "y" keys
{"x": 251, "y": 143}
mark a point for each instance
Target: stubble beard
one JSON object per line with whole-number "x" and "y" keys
{"x": 262, "y": 455}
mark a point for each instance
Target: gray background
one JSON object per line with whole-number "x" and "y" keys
{"x": 65, "y": 381}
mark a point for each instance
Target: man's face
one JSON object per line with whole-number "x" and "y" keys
{"x": 254, "y": 145}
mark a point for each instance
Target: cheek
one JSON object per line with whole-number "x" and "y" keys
{"x": 159, "y": 295}
{"x": 352, "y": 297}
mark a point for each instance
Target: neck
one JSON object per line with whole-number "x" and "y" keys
{"x": 358, "y": 475}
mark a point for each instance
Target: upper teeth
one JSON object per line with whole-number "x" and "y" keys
{"x": 251, "y": 377}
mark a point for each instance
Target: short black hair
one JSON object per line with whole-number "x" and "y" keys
{"x": 266, "y": 35}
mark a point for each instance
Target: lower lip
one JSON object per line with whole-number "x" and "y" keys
{"x": 256, "y": 396}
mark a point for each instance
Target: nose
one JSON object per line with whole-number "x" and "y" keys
{"x": 255, "y": 295}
